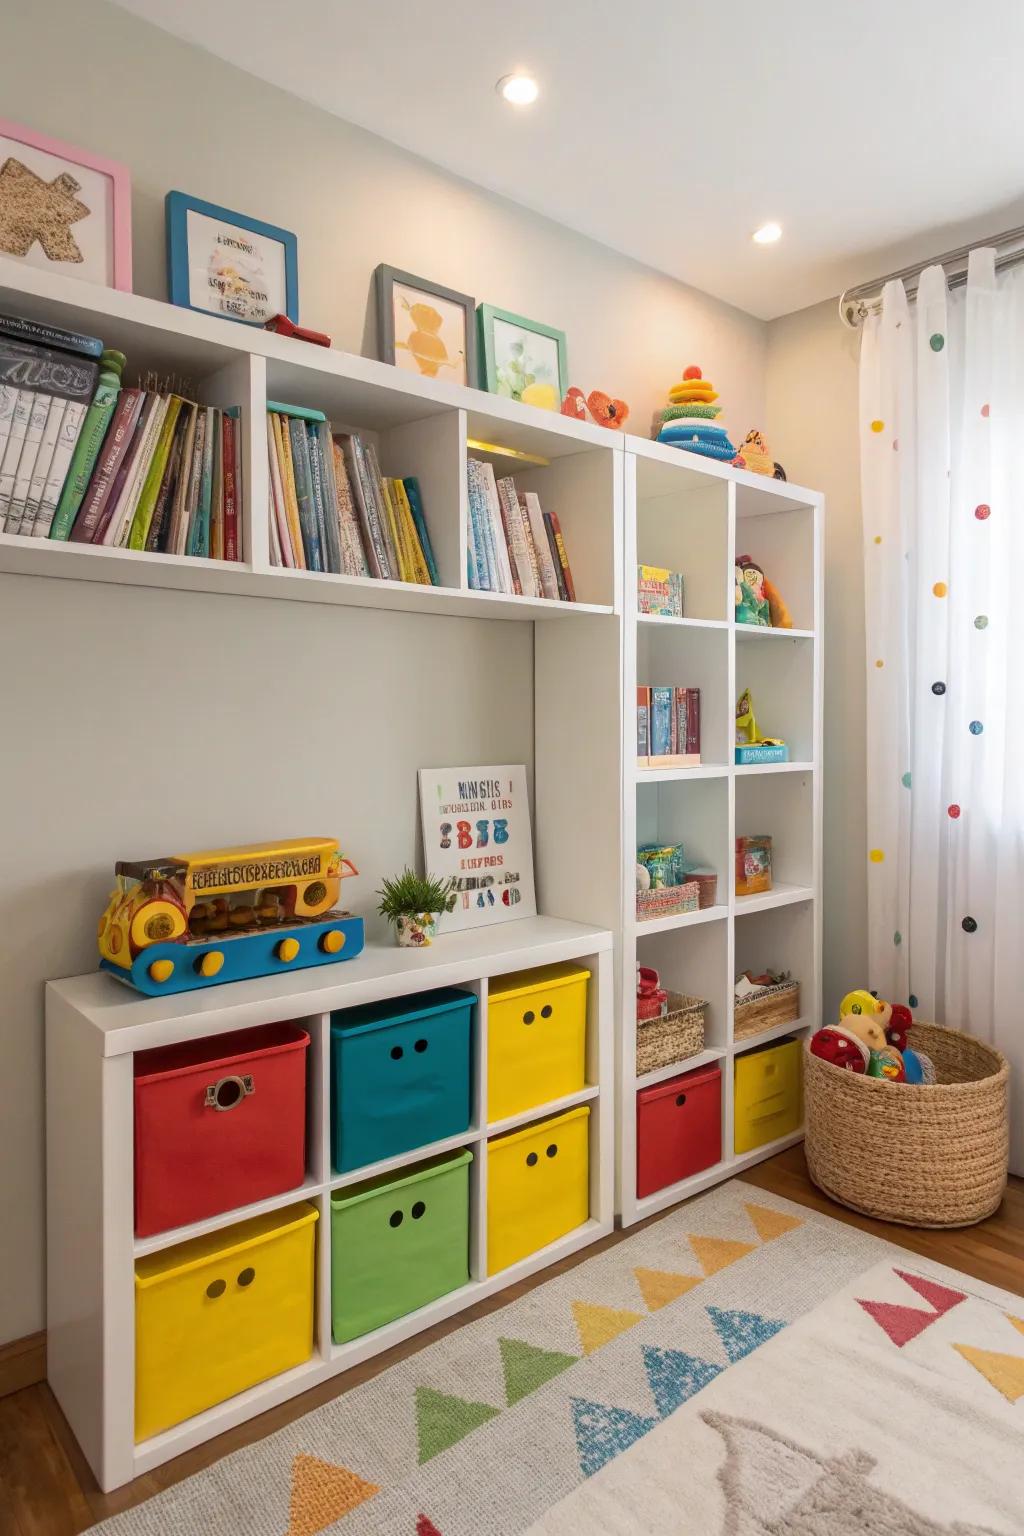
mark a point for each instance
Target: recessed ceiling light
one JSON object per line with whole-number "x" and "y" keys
{"x": 520, "y": 90}
{"x": 767, "y": 234}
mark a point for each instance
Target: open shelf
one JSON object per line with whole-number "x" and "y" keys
{"x": 777, "y": 1032}
{"x": 542, "y": 1111}
{"x": 160, "y": 1240}
{"x": 403, "y": 1160}
{"x": 677, "y": 1068}
{"x": 780, "y": 895}
{"x": 645, "y": 926}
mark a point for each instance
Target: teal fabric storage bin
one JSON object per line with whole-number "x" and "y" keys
{"x": 400, "y": 1075}
{"x": 397, "y": 1242}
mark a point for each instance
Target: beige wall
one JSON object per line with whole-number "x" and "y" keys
{"x": 812, "y": 428}
{"x": 133, "y": 722}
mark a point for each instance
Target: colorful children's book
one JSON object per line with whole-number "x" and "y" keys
{"x": 566, "y": 577}
{"x": 38, "y": 412}
{"x": 661, "y": 721}
{"x": 118, "y": 441}
{"x": 538, "y": 528}
{"x": 37, "y": 333}
{"x": 153, "y": 478}
{"x": 87, "y": 451}
{"x": 232, "y": 481}
{"x": 415, "y": 499}
{"x": 643, "y": 724}
{"x": 156, "y": 538}
{"x": 44, "y": 461}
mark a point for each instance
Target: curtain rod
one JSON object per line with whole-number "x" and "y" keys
{"x": 855, "y": 304}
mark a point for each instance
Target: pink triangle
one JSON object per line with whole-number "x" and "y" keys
{"x": 901, "y": 1323}
{"x": 425, "y": 1527}
{"x": 938, "y": 1296}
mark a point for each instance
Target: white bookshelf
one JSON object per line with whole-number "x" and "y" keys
{"x": 94, "y": 1026}
{"x": 696, "y": 516}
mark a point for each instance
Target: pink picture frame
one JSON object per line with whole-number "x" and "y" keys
{"x": 117, "y": 242}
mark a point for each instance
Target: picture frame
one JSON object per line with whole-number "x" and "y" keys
{"x": 220, "y": 262}
{"x": 64, "y": 209}
{"x": 477, "y": 831}
{"x": 431, "y": 349}
{"x": 503, "y": 373}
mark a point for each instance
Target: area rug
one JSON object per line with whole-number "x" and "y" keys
{"x": 524, "y": 1420}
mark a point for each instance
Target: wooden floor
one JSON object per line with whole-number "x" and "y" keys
{"x": 46, "y": 1488}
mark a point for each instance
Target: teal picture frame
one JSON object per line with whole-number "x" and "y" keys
{"x": 490, "y": 366}
{"x": 177, "y": 206}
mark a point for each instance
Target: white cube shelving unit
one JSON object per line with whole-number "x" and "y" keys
{"x": 695, "y": 516}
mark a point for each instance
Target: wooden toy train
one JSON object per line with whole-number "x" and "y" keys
{"x": 195, "y": 919}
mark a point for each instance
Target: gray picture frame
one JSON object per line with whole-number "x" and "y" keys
{"x": 385, "y": 278}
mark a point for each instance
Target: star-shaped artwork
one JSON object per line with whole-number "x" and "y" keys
{"x": 32, "y": 209}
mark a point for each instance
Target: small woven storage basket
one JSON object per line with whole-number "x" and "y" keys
{"x": 778, "y": 1004}
{"x": 680, "y": 1033}
{"x": 928, "y": 1156}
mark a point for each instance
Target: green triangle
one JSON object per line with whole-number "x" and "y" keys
{"x": 526, "y": 1367}
{"x": 442, "y": 1421}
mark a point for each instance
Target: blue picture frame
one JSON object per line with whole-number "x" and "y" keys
{"x": 177, "y": 206}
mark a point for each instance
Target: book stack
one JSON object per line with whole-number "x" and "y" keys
{"x": 332, "y": 509}
{"x": 514, "y": 546}
{"x": 86, "y": 460}
{"x": 667, "y": 727}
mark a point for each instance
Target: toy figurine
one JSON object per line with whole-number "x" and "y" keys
{"x": 841, "y": 1047}
{"x": 752, "y": 605}
{"x": 605, "y": 411}
{"x": 751, "y": 746}
{"x": 651, "y": 997}
{"x": 285, "y": 327}
{"x": 777, "y": 607}
{"x": 756, "y": 456}
{"x": 887, "y": 1063}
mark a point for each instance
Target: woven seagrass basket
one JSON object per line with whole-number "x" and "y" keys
{"x": 929, "y": 1156}
{"x": 678, "y": 1034}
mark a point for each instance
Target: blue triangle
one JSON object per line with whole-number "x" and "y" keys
{"x": 675, "y": 1376}
{"x": 741, "y": 1332}
{"x": 602, "y": 1433}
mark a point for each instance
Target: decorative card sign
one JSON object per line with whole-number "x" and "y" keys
{"x": 476, "y": 828}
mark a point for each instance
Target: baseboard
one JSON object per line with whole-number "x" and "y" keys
{"x": 22, "y": 1363}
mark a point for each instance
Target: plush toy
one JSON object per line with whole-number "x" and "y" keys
{"x": 752, "y": 606}
{"x": 887, "y": 1063}
{"x": 755, "y": 455}
{"x": 840, "y": 1047}
{"x": 777, "y": 606}
{"x": 604, "y": 410}
{"x": 900, "y": 1020}
{"x": 651, "y": 997}
{"x": 747, "y": 733}
{"x": 574, "y": 404}
{"x": 862, "y": 1013}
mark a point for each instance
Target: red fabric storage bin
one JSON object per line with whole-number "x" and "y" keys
{"x": 218, "y": 1123}
{"x": 678, "y": 1129}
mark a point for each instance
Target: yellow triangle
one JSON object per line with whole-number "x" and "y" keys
{"x": 658, "y": 1287}
{"x": 1005, "y": 1372}
{"x": 322, "y": 1493}
{"x": 715, "y": 1253}
{"x": 599, "y": 1325}
{"x": 771, "y": 1223}
{"x": 1018, "y": 1322}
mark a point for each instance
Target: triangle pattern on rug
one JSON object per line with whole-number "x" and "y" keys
{"x": 597, "y": 1325}
{"x": 741, "y": 1332}
{"x": 442, "y": 1421}
{"x": 940, "y": 1297}
{"x": 658, "y": 1286}
{"x": 1005, "y": 1372}
{"x": 676, "y": 1376}
{"x": 901, "y": 1324}
{"x": 769, "y": 1224}
{"x": 1018, "y": 1322}
{"x": 426, "y": 1527}
{"x": 602, "y": 1433}
{"x": 715, "y": 1253}
{"x": 526, "y": 1367}
{"x": 321, "y": 1493}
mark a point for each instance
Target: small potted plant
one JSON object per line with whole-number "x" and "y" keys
{"x": 413, "y": 904}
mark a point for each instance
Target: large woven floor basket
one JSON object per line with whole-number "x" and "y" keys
{"x": 932, "y": 1156}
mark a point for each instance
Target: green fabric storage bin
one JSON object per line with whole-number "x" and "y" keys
{"x": 397, "y": 1242}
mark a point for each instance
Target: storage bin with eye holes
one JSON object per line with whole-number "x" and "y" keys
{"x": 397, "y": 1242}
{"x": 678, "y": 1129}
{"x": 768, "y": 1101}
{"x": 219, "y": 1123}
{"x": 536, "y": 1038}
{"x": 538, "y": 1186}
{"x": 220, "y": 1313}
{"x": 401, "y": 1075}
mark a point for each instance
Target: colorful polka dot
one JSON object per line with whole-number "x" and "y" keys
{"x": 981, "y": 622}
{"x": 940, "y": 589}
{"x": 906, "y": 781}
{"x": 876, "y": 856}
{"x": 975, "y": 727}
{"x": 879, "y": 663}
{"x": 938, "y": 688}
{"x": 953, "y": 812}
{"x": 912, "y": 1001}
{"x": 969, "y": 925}
{"x": 982, "y": 511}
{"x": 895, "y": 445}
{"x": 897, "y": 938}
{"x": 878, "y": 538}
{"x": 984, "y": 410}
{"x": 936, "y": 342}
{"x": 878, "y": 426}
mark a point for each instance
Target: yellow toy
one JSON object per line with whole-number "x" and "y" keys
{"x": 865, "y": 1016}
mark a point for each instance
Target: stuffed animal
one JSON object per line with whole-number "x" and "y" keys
{"x": 887, "y": 1063}
{"x": 900, "y": 1020}
{"x": 752, "y": 606}
{"x": 841, "y": 1047}
{"x": 861, "y": 1012}
{"x": 651, "y": 997}
{"x": 756, "y": 456}
{"x": 777, "y": 606}
{"x": 604, "y": 410}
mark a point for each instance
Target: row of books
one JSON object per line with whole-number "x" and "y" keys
{"x": 514, "y": 546}
{"x": 333, "y": 510}
{"x": 667, "y": 727}
{"x": 85, "y": 459}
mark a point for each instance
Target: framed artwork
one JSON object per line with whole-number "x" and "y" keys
{"x": 522, "y": 359}
{"x": 225, "y": 263}
{"x": 63, "y": 209}
{"x": 476, "y": 830}
{"x": 424, "y": 328}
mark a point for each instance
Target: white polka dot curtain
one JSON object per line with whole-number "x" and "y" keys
{"x": 942, "y": 474}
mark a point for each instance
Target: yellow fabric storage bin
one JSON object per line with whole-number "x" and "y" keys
{"x": 220, "y": 1313}
{"x": 536, "y": 1038}
{"x": 768, "y": 1094}
{"x": 538, "y": 1186}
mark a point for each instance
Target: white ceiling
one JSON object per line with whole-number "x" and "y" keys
{"x": 876, "y": 134}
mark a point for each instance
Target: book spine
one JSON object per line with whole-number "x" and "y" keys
{"x": 67, "y": 439}
{"x": 419, "y": 560}
{"x": 279, "y": 509}
{"x": 322, "y": 459}
{"x": 12, "y": 452}
{"x": 46, "y": 372}
{"x": 473, "y": 572}
{"x": 172, "y": 537}
{"x": 116, "y": 445}
{"x": 509, "y": 532}
{"x": 8, "y": 400}
{"x": 679, "y": 720}
{"x": 500, "y": 549}
{"x": 190, "y": 507}
{"x": 373, "y": 518}
{"x": 159, "y": 521}
{"x": 304, "y": 493}
{"x": 44, "y": 459}
{"x": 38, "y": 334}
{"x": 563, "y": 557}
{"x": 693, "y": 720}
{"x": 548, "y": 567}
{"x": 643, "y": 722}
{"x": 353, "y": 554}
{"x": 556, "y": 558}
{"x": 394, "y": 532}
{"x": 412, "y": 491}
{"x": 283, "y": 442}
{"x": 490, "y": 535}
{"x": 661, "y": 722}
{"x": 329, "y": 557}
{"x": 119, "y": 525}
{"x": 531, "y": 549}
{"x": 87, "y": 450}
{"x": 375, "y": 482}
{"x": 217, "y": 493}
{"x": 352, "y": 463}
{"x": 27, "y": 462}
{"x": 229, "y": 448}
